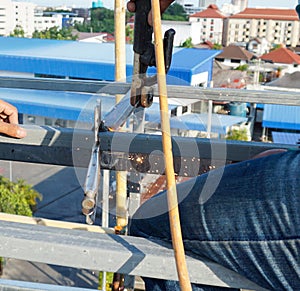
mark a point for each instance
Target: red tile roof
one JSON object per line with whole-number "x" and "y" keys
{"x": 268, "y": 13}
{"x": 212, "y": 11}
{"x": 282, "y": 56}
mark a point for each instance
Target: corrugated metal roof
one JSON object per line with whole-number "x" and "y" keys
{"x": 55, "y": 104}
{"x": 194, "y": 121}
{"x": 87, "y": 60}
{"x": 67, "y": 105}
{"x": 285, "y": 137}
{"x": 281, "y": 116}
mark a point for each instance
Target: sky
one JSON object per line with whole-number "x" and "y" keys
{"x": 109, "y": 3}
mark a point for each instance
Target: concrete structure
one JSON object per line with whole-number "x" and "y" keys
{"x": 211, "y": 21}
{"x": 276, "y": 25}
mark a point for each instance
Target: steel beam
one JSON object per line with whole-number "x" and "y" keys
{"x": 108, "y": 252}
{"x": 181, "y": 92}
{"x": 126, "y": 151}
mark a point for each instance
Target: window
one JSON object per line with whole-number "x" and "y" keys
{"x": 60, "y": 123}
{"x": 48, "y": 121}
{"x": 31, "y": 119}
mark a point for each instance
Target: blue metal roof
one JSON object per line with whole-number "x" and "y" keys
{"x": 285, "y": 137}
{"x": 65, "y": 105}
{"x": 194, "y": 121}
{"x": 198, "y": 122}
{"x": 89, "y": 60}
{"x": 281, "y": 116}
{"x": 56, "y": 104}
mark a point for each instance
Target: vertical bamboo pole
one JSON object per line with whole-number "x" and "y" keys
{"x": 182, "y": 270}
{"x": 120, "y": 76}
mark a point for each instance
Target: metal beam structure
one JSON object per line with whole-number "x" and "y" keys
{"x": 122, "y": 151}
{"x": 126, "y": 151}
{"x": 181, "y": 92}
{"x": 108, "y": 252}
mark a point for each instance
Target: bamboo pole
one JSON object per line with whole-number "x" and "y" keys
{"x": 177, "y": 242}
{"x": 120, "y": 76}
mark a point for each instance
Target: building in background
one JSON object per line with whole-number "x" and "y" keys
{"x": 194, "y": 6}
{"x": 211, "y": 24}
{"x": 240, "y": 4}
{"x": 16, "y": 14}
{"x": 184, "y": 30}
{"x": 97, "y": 4}
{"x": 277, "y": 26}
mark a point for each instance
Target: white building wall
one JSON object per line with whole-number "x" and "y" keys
{"x": 200, "y": 79}
{"x": 211, "y": 28}
{"x": 184, "y": 30}
{"x": 274, "y": 31}
{"x": 7, "y": 18}
{"x": 45, "y": 22}
{"x": 24, "y": 16}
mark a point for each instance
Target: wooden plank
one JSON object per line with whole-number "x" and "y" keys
{"x": 108, "y": 252}
{"x": 54, "y": 223}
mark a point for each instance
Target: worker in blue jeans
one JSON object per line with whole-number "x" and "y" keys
{"x": 249, "y": 224}
{"x": 249, "y": 221}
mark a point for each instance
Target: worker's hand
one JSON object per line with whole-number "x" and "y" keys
{"x": 164, "y": 4}
{"x": 9, "y": 121}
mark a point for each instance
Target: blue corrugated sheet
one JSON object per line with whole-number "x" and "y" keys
{"x": 56, "y": 104}
{"x": 64, "y": 105}
{"x": 285, "y": 137}
{"x": 281, "y": 116}
{"x": 194, "y": 121}
{"x": 89, "y": 60}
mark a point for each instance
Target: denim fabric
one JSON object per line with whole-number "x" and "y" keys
{"x": 250, "y": 223}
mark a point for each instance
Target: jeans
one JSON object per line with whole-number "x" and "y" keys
{"x": 244, "y": 216}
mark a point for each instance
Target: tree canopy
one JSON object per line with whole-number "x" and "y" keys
{"x": 55, "y": 33}
{"x": 17, "y": 198}
{"x": 175, "y": 12}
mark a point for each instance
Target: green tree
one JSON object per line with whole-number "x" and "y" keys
{"x": 17, "y": 198}
{"x": 129, "y": 34}
{"x": 238, "y": 134}
{"x": 65, "y": 33}
{"x": 18, "y": 32}
{"x": 175, "y": 12}
{"x": 187, "y": 43}
{"x": 102, "y": 20}
{"x": 217, "y": 46}
{"x": 242, "y": 68}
